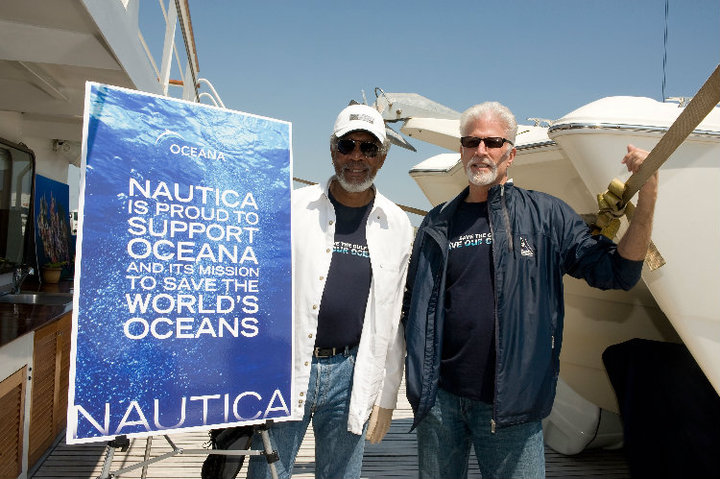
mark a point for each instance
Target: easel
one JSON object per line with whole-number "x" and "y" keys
{"x": 123, "y": 443}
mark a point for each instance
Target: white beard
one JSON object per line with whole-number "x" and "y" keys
{"x": 481, "y": 178}
{"x": 355, "y": 187}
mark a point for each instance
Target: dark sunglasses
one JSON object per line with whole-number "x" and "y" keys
{"x": 367, "y": 148}
{"x": 490, "y": 141}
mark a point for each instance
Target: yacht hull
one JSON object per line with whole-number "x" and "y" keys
{"x": 685, "y": 228}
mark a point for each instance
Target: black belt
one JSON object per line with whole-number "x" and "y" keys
{"x": 330, "y": 352}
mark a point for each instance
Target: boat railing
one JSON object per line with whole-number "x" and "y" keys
{"x": 214, "y": 97}
{"x": 178, "y": 67}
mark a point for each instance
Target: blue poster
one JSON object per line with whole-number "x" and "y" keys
{"x": 183, "y": 288}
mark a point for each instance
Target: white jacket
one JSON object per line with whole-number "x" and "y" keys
{"x": 381, "y": 352}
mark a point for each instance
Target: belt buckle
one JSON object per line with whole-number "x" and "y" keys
{"x": 322, "y": 353}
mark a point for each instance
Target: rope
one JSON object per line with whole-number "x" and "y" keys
{"x": 187, "y": 46}
{"x": 702, "y": 103}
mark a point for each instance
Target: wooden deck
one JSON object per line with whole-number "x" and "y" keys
{"x": 394, "y": 457}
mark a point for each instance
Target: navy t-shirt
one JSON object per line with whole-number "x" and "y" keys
{"x": 342, "y": 310}
{"x": 468, "y": 350}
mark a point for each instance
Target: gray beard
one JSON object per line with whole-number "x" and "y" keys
{"x": 355, "y": 187}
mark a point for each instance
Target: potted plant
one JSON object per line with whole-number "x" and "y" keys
{"x": 51, "y": 271}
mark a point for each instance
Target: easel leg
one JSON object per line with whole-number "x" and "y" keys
{"x": 109, "y": 453}
{"x": 148, "y": 447}
{"x": 271, "y": 455}
{"x": 123, "y": 443}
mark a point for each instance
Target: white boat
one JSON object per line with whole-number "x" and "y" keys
{"x": 575, "y": 158}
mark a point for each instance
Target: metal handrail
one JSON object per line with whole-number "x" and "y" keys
{"x": 212, "y": 89}
{"x": 208, "y": 95}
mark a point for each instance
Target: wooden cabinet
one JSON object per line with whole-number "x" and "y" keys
{"x": 48, "y": 403}
{"x": 12, "y": 418}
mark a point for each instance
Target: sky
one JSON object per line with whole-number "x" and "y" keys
{"x": 303, "y": 62}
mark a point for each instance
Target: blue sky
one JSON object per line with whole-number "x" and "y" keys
{"x": 304, "y": 61}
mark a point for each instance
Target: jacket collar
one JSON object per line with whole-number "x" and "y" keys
{"x": 447, "y": 209}
{"x": 438, "y": 220}
{"x": 495, "y": 191}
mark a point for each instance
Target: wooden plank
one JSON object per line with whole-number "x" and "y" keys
{"x": 394, "y": 457}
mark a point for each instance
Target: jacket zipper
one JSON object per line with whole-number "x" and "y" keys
{"x": 497, "y": 324}
{"x": 508, "y": 232}
{"x": 492, "y": 248}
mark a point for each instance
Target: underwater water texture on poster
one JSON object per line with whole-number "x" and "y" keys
{"x": 183, "y": 314}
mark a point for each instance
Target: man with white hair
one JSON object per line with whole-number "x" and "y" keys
{"x": 483, "y": 308}
{"x": 351, "y": 248}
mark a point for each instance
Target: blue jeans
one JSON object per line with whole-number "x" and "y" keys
{"x": 455, "y": 423}
{"x": 338, "y": 452}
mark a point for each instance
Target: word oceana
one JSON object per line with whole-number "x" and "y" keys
{"x": 195, "y": 152}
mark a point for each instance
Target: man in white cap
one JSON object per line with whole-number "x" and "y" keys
{"x": 351, "y": 249}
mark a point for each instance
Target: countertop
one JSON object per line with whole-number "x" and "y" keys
{"x": 19, "y": 319}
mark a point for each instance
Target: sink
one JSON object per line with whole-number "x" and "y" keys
{"x": 46, "y": 299}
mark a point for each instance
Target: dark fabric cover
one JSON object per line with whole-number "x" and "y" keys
{"x": 219, "y": 466}
{"x": 670, "y": 411}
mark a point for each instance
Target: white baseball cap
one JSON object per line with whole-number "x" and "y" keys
{"x": 360, "y": 117}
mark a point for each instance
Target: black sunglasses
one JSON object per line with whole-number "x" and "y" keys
{"x": 490, "y": 141}
{"x": 368, "y": 148}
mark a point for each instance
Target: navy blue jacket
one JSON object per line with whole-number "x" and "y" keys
{"x": 537, "y": 238}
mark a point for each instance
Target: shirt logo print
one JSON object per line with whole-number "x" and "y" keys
{"x": 474, "y": 239}
{"x": 342, "y": 247}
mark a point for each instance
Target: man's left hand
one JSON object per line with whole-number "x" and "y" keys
{"x": 379, "y": 425}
